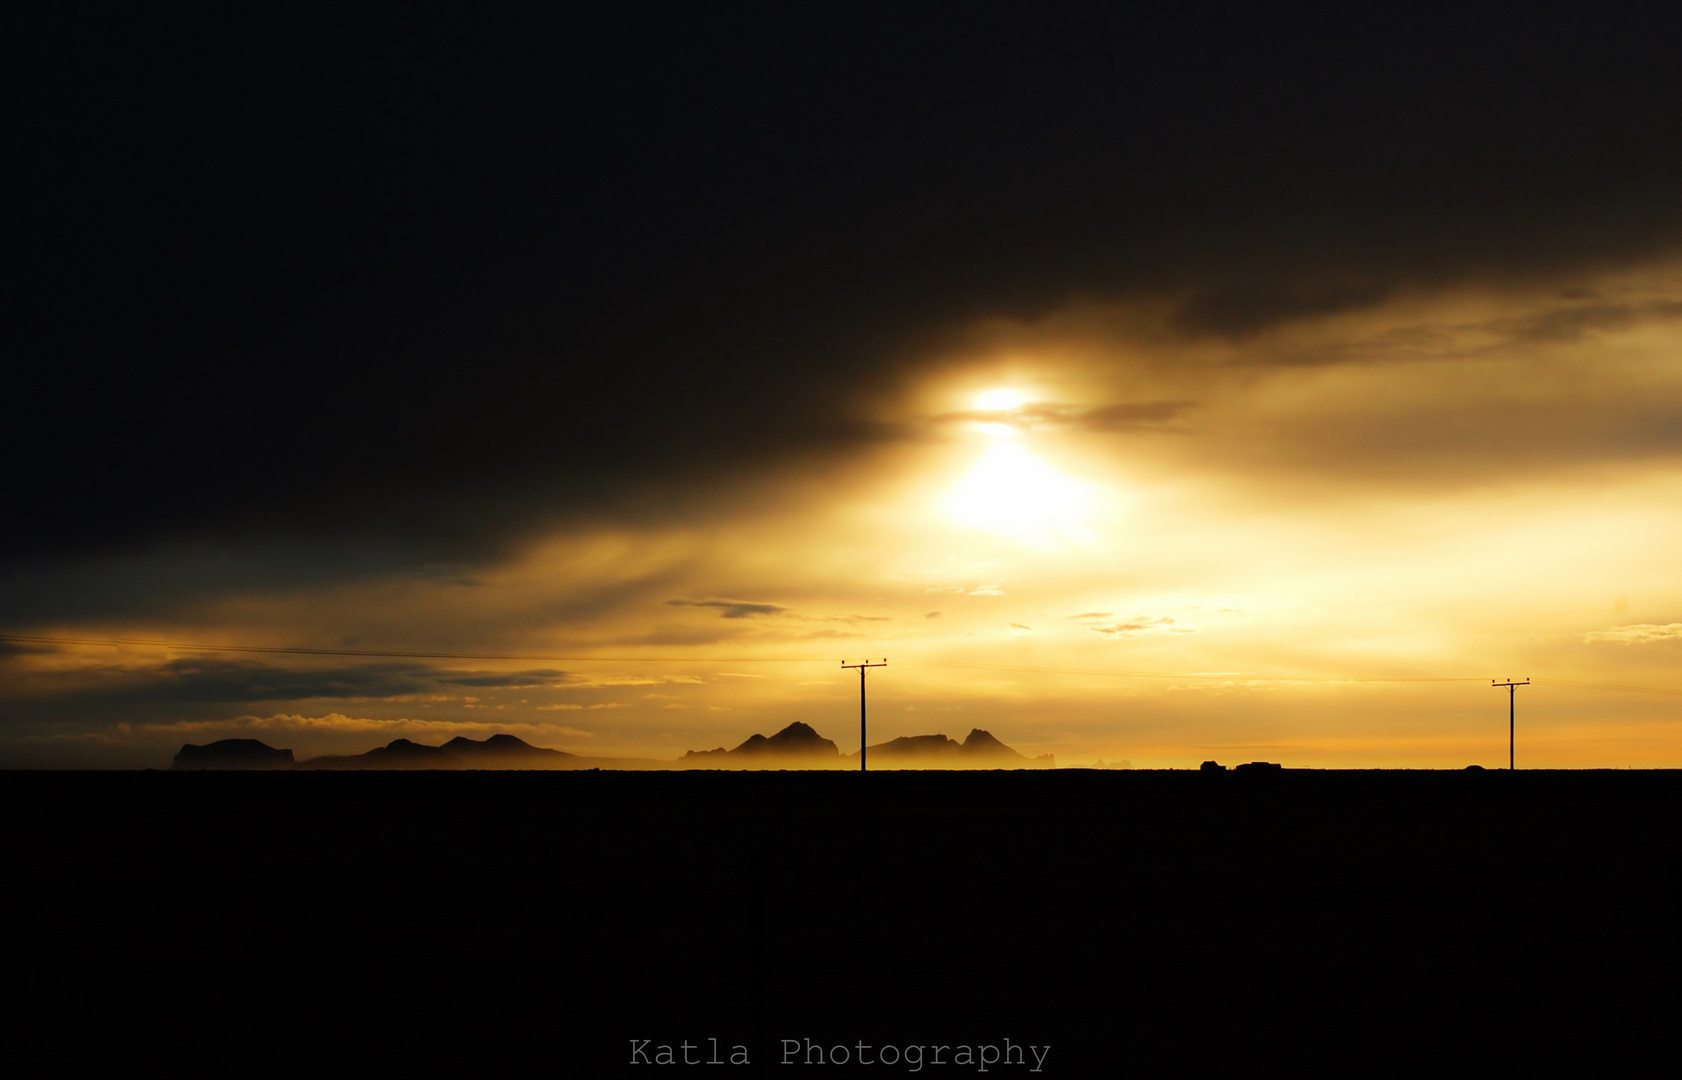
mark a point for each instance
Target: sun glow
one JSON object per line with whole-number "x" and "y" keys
{"x": 1000, "y": 400}
{"x": 1010, "y": 490}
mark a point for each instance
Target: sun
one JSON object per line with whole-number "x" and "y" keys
{"x": 1000, "y": 400}
{"x": 1010, "y": 490}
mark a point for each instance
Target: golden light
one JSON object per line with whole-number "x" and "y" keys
{"x": 1000, "y": 400}
{"x": 1010, "y": 490}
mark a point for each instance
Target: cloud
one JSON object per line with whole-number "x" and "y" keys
{"x": 206, "y": 679}
{"x": 1239, "y": 311}
{"x": 1557, "y": 319}
{"x": 1311, "y": 189}
{"x": 25, "y": 648}
{"x": 586, "y": 682}
{"x": 210, "y": 680}
{"x": 1637, "y": 633}
{"x": 512, "y": 680}
{"x": 1128, "y": 416}
{"x": 1574, "y": 323}
{"x": 1132, "y": 416}
{"x": 932, "y": 615}
{"x": 733, "y": 609}
{"x": 1143, "y": 624}
{"x": 383, "y": 729}
{"x": 683, "y": 636}
{"x": 741, "y": 609}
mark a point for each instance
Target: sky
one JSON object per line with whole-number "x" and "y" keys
{"x": 1148, "y": 386}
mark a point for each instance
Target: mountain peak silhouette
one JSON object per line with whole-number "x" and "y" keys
{"x": 497, "y": 744}
{"x": 978, "y": 750}
{"x": 796, "y": 745}
{"x": 917, "y": 746}
{"x": 232, "y": 754}
{"x": 982, "y": 742}
{"x": 799, "y": 738}
{"x": 499, "y": 752}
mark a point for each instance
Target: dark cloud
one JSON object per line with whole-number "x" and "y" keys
{"x": 1126, "y": 416}
{"x": 24, "y": 648}
{"x": 1577, "y": 322}
{"x": 1237, "y": 312}
{"x": 166, "y": 579}
{"x": 177, "y": 580}
{"x": 428, "y": 291}
{"x": 510, "y": 680}
{"x": 733, "y": 609}
{"x": 211, "y": 680}
{"x": 1565, "y": 322}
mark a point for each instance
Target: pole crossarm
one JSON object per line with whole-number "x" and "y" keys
{"x": 862, "y": 666}
{"x": 1512, "y": 689}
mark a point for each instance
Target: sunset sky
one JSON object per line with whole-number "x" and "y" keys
{"x": 1246, "y": 382}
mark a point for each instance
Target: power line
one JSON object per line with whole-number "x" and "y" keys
{"x": 863, "y": 666}
{"x": 1512, "y": 691}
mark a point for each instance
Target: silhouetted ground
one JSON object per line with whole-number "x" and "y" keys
{"x": 1136, "y": 922}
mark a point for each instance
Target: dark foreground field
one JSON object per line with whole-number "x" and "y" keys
{"x": 1134, "y": 923}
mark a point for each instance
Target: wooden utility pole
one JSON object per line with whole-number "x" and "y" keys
{"x": 1512, "y": 688}
{"x": 861, "y": 666}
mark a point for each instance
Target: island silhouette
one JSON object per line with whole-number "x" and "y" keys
{"x": 797, "y": 746}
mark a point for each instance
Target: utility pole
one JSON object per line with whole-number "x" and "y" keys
{"x": 1512, "y": 688}
{"x": 861, "y": 666}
